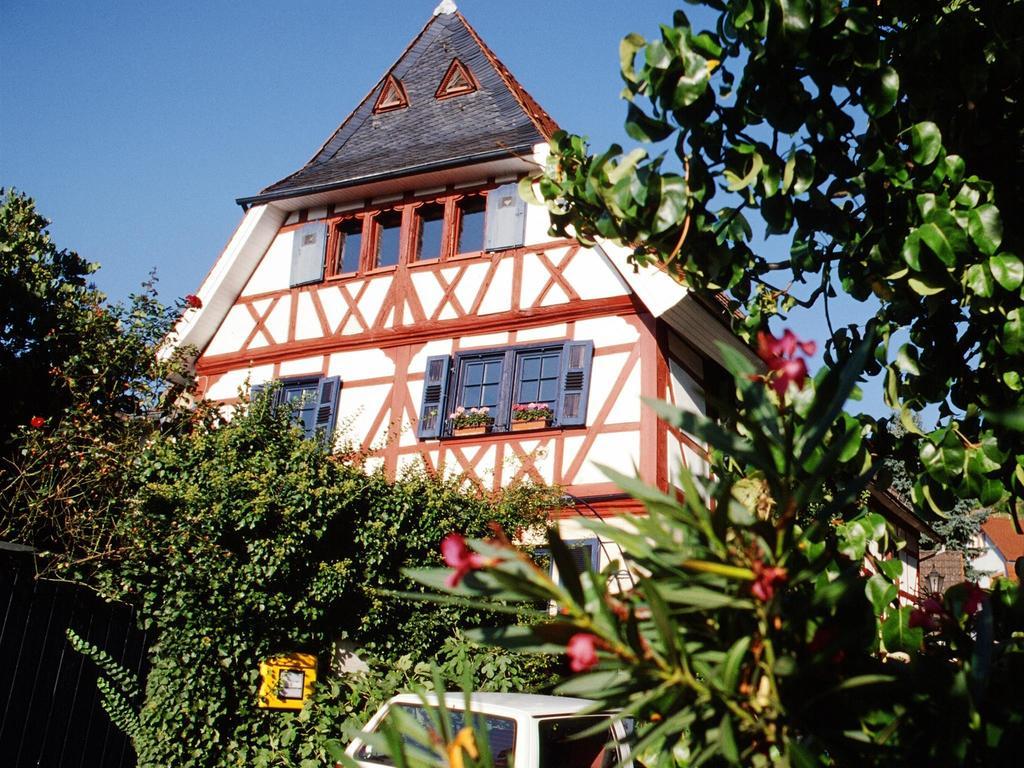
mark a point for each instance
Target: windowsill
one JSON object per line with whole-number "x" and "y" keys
{"x": 495, "y": 435}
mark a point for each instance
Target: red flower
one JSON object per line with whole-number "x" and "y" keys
{"x": 458, "y": 556}
{"x": 929, "y": 616}
{"x": 193, "y": 302}
{"x": 766, "y": 580}
{"x": 37, "y": 421}
{"x": 975, "y": 597}
{"x": 780, "y": 356}
{"x": 582, "y": 652}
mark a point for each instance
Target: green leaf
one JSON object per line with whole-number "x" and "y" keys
{"x": 944, "y": 237}
{"x": 985, "y": 228}
{"x": 881, "y": 592}
{"x": 643, "y": 127}
{"x": 733, "y": 663}
{"x": 672, "y": 209}
{"x": 796, "y": 17}
{"x": 1008, "y": 270}
{"x": 1013, "y": 331}
{"x": 978, "y": 280}
{"x": 925, "y": 142}
{"x": 628, "y": 48}
{"x": 880, "y": 94}
{"x": 897, "y": 633}
{"x": 736, "y": 183}
{"x": 924, "y": 288}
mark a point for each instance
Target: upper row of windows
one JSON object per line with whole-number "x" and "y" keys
{"x": 408, "y": 234}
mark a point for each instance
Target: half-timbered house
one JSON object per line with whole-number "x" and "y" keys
{"x": 398, "y": 276}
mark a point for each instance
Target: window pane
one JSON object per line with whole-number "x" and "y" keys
{"x": 471, "y": 224}
{"x": 430, "y": 229}
{"x": 301, "y": 398}
{"x": 389, "y": 226}
{"x": 350, "y": 242}
{"x": 489, "y": 397}
{"x": 501, "y": 734}
{"x": 561, "y": 745}
{"x": 528, "y": 392}
{"x": 480, "y": 383}
{"x": 492, "y": 372}
{"x": 538, "y": 378}
{"x": 548, "y": 391}
{"x": 549, "y": 369}
{"x": 531, "y": 367}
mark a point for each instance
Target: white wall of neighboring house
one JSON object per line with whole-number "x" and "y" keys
{"x": 989, "y": 564}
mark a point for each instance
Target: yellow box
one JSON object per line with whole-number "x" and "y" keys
{"x": 286, "y": 682}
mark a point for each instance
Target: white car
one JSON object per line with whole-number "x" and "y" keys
{"x": 523, "y": 730}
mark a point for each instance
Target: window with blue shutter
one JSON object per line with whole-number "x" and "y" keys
{"x": 584, "y": 552}
{"x": 309, "y": 247}
{"x": 312, "y": 400}
{"x": 577, "y": 358}
{"x": 435, "y": 395}
{"x": 556, "y": 375}
{"x": 505, "y": 219}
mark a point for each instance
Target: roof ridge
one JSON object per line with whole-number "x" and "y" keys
{"x": 537, "y": 114}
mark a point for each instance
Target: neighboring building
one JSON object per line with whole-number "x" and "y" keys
{"x": 398, "y": 275}
{"x": 1000, "y": 546}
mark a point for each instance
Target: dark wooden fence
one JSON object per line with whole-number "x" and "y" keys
{"x": 50, "y": 712}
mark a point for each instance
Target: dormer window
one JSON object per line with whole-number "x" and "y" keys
{"x": 456, "y": 81}
{"x": 392, "y": 96}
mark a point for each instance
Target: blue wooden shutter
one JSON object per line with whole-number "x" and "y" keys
{"x": 505, "y": 220}
{"x": 577, "y": 357}
{"x": 435, "y": 391}
{"x": 308, "y": 249}
{"x": 327, "y": 408}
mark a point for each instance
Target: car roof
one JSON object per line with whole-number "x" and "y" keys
{"x": 534, "y": 705}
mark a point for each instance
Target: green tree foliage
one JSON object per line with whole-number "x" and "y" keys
{"x": 880, "y": 145}
{"x": 46, "y": 302}
{"x": 753, "y": 635}
{"x": 244, "y": 541}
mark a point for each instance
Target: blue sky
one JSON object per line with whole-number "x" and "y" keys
{"x": 136, "y": 125}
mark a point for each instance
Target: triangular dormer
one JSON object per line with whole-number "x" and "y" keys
{"x": 392, "y": 96}
{"x": 457, "y": 81}
{"x": 410, "y": 122}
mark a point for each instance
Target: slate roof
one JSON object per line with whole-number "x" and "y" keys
{"x": 500, "y": 119}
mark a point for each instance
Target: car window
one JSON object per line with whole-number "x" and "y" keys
{"x": 501, "y": 734}
{"x": 563, "y": 745}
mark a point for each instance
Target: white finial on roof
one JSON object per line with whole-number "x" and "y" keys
{"x": 447, "y": 7}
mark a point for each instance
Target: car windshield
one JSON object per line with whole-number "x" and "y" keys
{"x": 501, "y": 734}
{"x": 564, "y": 743}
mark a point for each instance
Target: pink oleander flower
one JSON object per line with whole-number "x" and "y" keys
{"x": 929, "y": 616}
{"x": 193, "y": 302}
{"x": 766, "y": 580}
{"x": 461, "y": 558}
{"x": 582, "y": 652}
{"x": 780, "y": 356}
{"x": 37, "y": 422}
{"x": 974, "y": 599}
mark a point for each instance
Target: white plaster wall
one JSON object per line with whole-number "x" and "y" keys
{"x": 499, "y": 294}
{"x": 307, "y": 322}
{"x": 618, "y": 450}
{"x": 428, "y": 289}
{"x": 232, "y": 382}
{"x": 593, "y": 277}
{"x": 232, "y": 332}
{"x": 469, "y": 286}
{"x": 543, "y": 333}
{"x": 306, "y": 366}
{"x": 360, "y": 364}
{"x": 606, "y": 331}
{"x": 989, "y": 562}
{"x": 274, "y": 270}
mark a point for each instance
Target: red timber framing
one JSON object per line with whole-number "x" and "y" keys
{"x": 401, "y": 316}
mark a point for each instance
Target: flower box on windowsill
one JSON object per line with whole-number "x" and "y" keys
{"x": 476, "y": 429}
{"x": 523, "y": 425}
